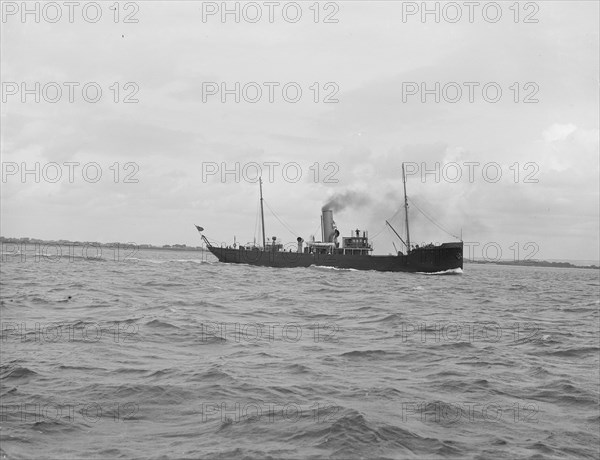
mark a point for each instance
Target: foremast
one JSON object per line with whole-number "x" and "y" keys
{"x": 262, "y": 216}
{"x": 406, "y": 210}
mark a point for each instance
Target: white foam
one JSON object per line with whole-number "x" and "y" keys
{"x": 334, "y": 268}
{"x": 452, "y": 271}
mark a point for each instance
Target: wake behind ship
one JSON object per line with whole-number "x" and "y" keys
{"x": 354, "y": 252}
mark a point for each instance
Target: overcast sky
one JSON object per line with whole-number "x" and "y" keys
{"x": 370, "y": 66}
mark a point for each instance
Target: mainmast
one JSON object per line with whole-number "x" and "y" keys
{"x": 262, "y": 214}
{"x": 406, "y": 210}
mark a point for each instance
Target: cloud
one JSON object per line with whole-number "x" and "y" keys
{"x": 558, "y": 132}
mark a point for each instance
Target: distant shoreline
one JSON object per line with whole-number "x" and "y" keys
{"x": 177, "y": 247}
{"x": 531, "y": 263}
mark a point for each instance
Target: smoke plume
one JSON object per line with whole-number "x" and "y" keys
{"x": 343, "y": 200}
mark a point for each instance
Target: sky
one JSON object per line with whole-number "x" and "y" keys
{"x": 154, "y": 116}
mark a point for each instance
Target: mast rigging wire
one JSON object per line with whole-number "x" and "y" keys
{"x": 288, "y": 228}
{"x": 432, "y": 220}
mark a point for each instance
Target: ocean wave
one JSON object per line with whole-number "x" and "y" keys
{"x": 160, "y": 324}
{"x": 379, "y": 354}
{"x": 192, "y": 261}
{"x": 15, "y": 372}
{"x": 575, "y": 352}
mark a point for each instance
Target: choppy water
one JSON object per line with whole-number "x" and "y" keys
{"x": 167, "y": 355}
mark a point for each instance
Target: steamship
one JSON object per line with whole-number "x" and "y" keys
{"x": 354, "y": 252}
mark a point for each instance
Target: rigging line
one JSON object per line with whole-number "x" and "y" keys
{"x": 392, "y": 238}
{"x": 214, "y": 242}
{"x": 316, "y": 232}
{"x": 385, "y": 226}
{"x": 397, "y": 212}
{"x": 378, "y": 233}
{"x": 395, "y": 232}
{"x": 288, "y": 228}
{"x": 431, "y": 219}
{"x": 280, "y": 221}
{"x": 391, "y": 219}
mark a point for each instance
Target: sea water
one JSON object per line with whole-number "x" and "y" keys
{"x": 171, "y": 354}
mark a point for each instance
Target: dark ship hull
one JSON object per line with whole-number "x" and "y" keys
{"x": 430, "y": 259}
